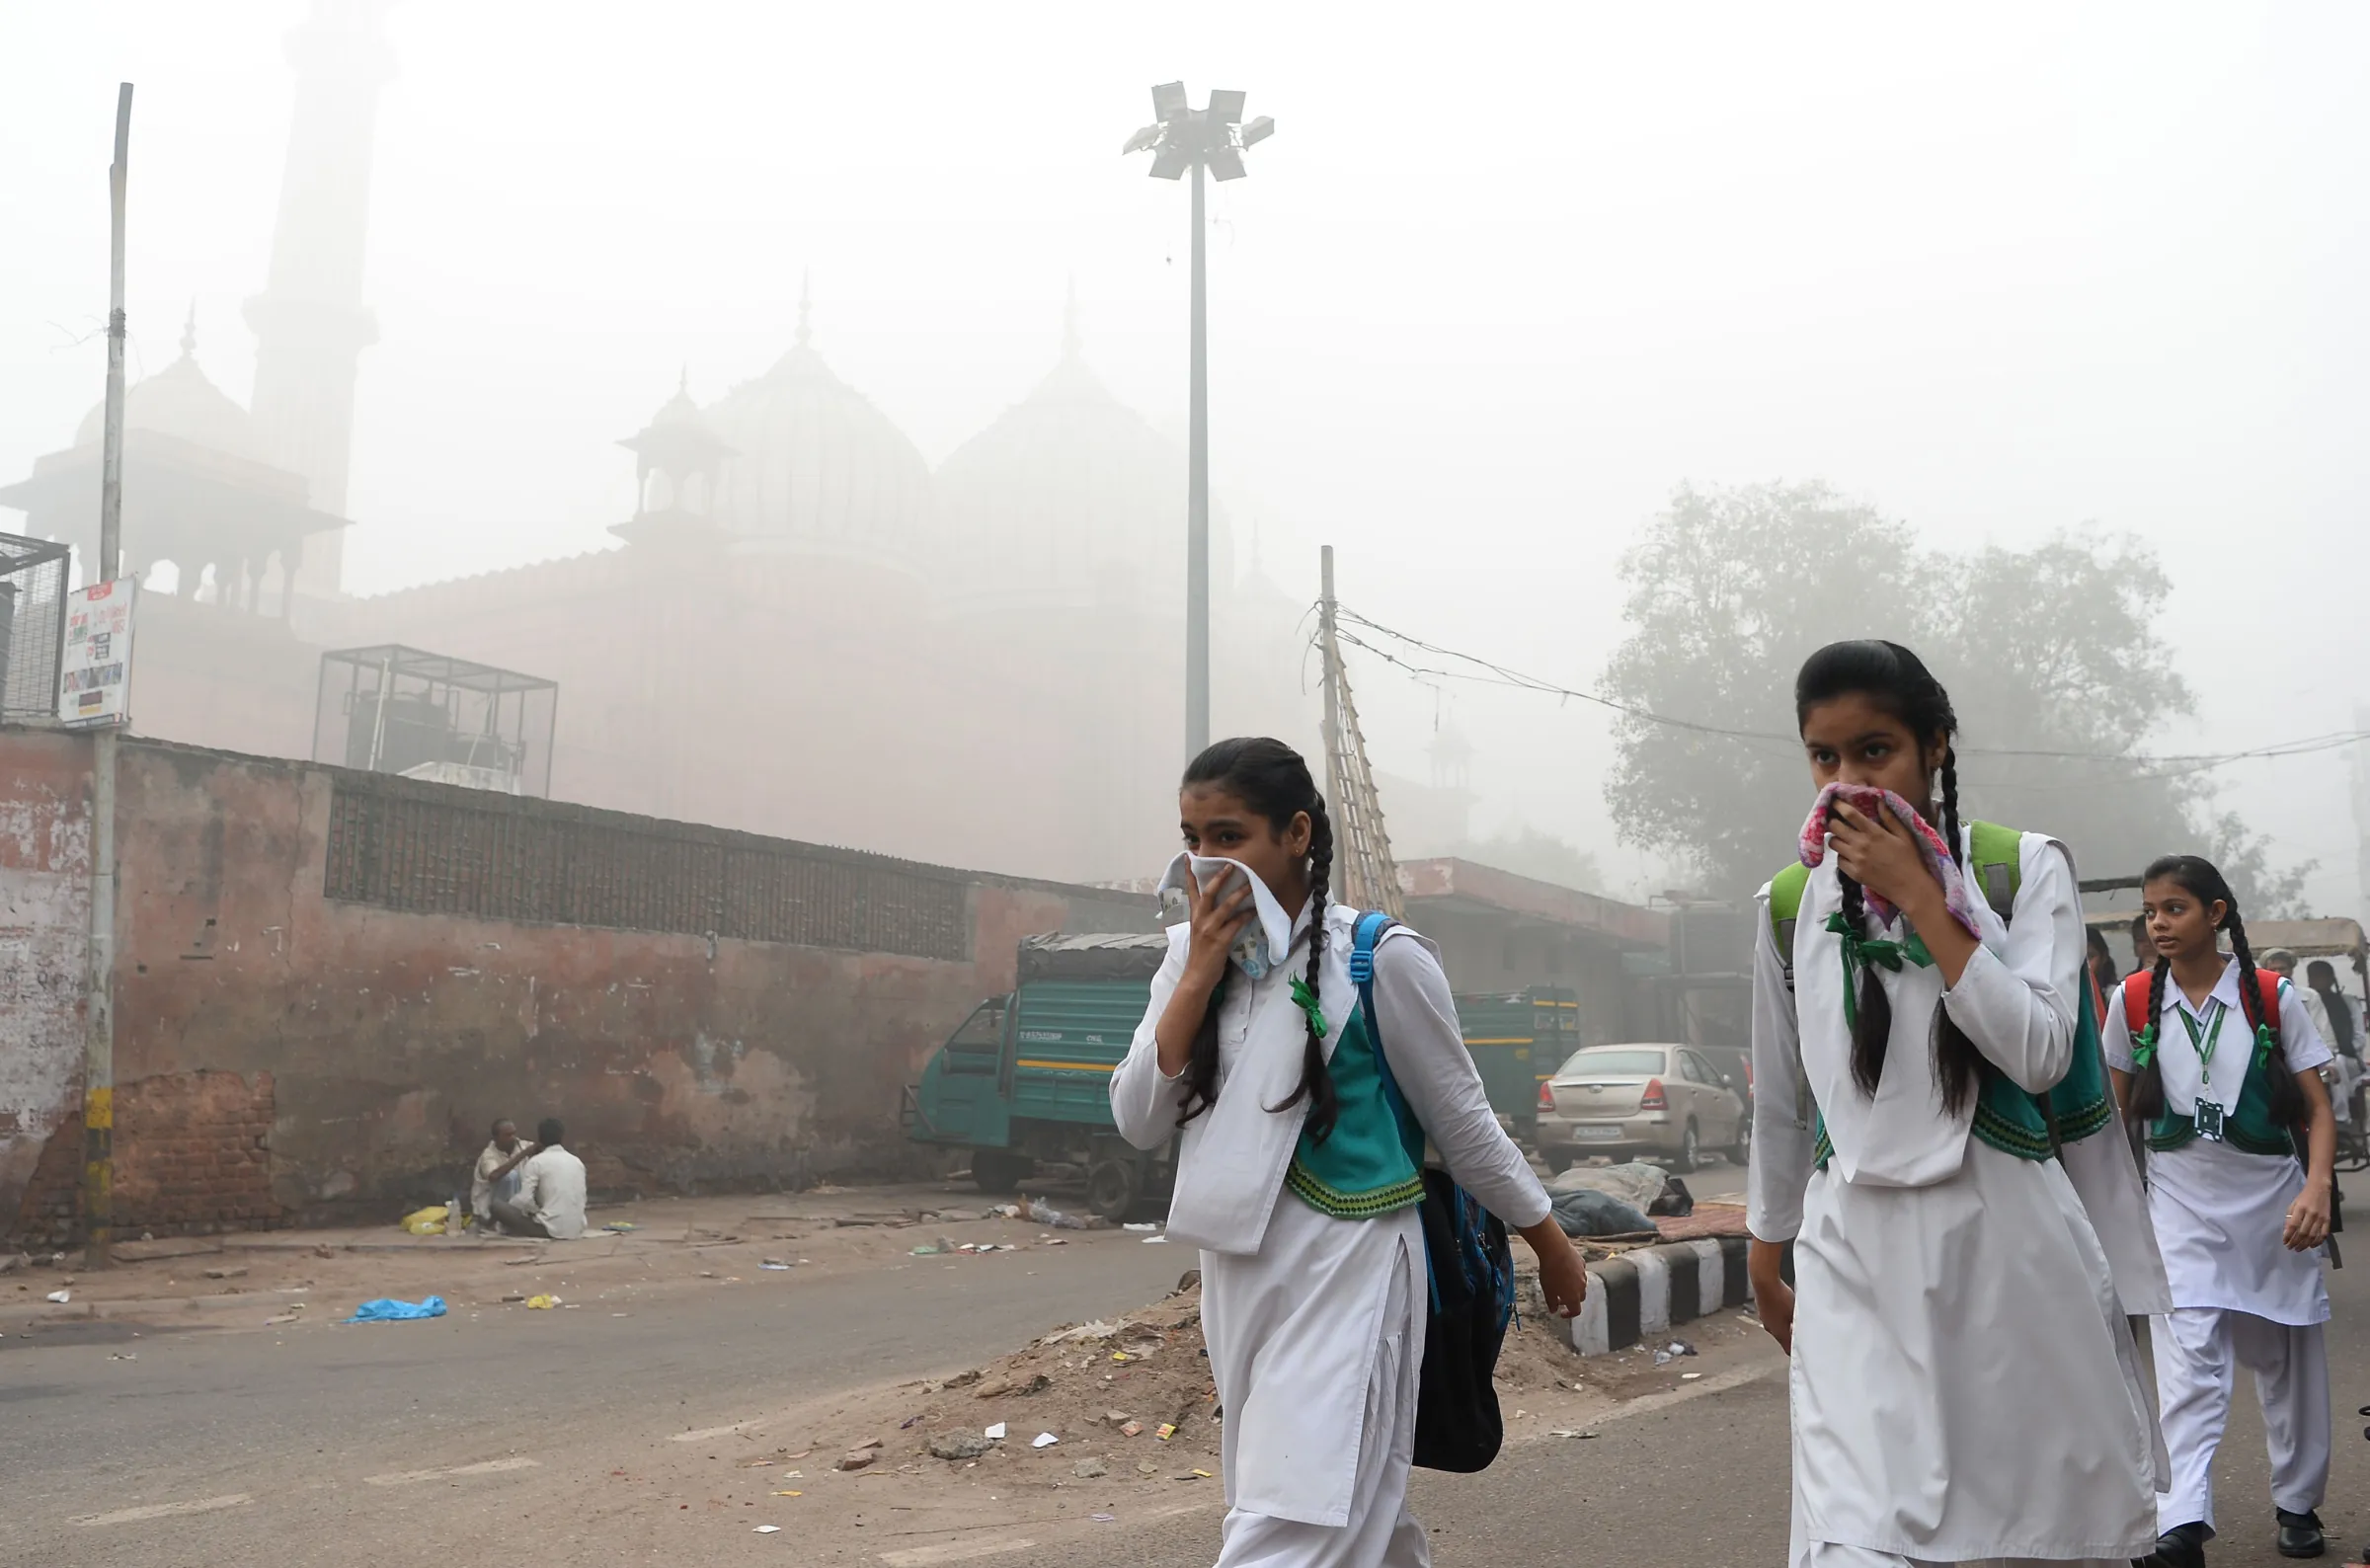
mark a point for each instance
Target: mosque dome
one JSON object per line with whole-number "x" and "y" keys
{"x": 1069, "y": 500}
{"x": 179, "y": 401}
{"x": 815, "y": 467}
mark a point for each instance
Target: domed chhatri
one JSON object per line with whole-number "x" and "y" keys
{"x": 181, "y": 402}
{"x": 816, "y": 468}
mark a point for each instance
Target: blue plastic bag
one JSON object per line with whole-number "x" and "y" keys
{"x": 386, "y": 1310}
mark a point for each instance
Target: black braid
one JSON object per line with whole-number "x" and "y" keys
{"x": 1316, "y": 1081}
{"x": 1201, "y": 1067}
{"x": 2148, "y": 1084}
{"x": 1873, "y": 1029}
{"x": 1957, "y": 1063}
{"x": 1950, "y": 832}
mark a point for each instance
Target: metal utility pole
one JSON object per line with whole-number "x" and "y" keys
{"x": 1182, "y": 137}
{"x": 1369, "y": 875}
{"x": 99, "y": 1020}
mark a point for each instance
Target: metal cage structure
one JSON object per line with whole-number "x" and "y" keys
{"x": 34, "y": 578}
{"x": 392, "y": 709}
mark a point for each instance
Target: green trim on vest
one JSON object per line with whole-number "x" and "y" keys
{"x": 2248, "y": 1126}
{"x": 1371, "y": 1164}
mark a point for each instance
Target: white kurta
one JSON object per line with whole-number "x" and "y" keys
{"x": 1964, "y": 1381}
{"x": 2219, "y": 1210}
{"x": 2240, "y": 1297}
{"x": 1315, "y": 1324}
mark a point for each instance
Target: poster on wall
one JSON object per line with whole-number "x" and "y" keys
{"x": 94, "y": 684}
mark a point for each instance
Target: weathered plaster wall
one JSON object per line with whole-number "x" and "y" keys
{"x": 44, "y": 922}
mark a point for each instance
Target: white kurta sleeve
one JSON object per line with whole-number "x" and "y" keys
{"x": 2300, "y": 1039}
{"x": 1144, "y": 1101}
{"x": 1782, "y": 1122}
{"x": 1426, "y": 1049}
{"x": 2114, "y": 1033}
{"x": 2019, "y": 1009}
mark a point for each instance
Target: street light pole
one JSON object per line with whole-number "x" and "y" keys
{"x": 1197, "y": 499}
{"x": 1209, "y": 139}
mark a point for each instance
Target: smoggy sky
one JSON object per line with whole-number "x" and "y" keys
{"x": 1504, "y": 276}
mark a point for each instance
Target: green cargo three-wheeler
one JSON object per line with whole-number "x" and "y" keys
{"x": 1026, "y": 1081}
{"x": 1518, "y": 1039}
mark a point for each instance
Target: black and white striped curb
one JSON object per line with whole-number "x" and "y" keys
{"x": 1639, "y": 1294}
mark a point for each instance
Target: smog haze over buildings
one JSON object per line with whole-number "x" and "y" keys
{"x": 1500, "y": 283}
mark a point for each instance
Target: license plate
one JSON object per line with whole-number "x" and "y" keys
{"x": 1597, "y": 1135}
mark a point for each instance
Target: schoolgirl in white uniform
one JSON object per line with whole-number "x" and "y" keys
{"x": 1294, "y": 1177}
{"x": 2240, "y": 1220}
{"x": 1964, "y": 1383}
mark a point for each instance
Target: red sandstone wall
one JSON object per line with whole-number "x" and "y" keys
{"x": 379, "y": 1044}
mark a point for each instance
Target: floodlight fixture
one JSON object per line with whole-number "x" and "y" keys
{"x": 1258, "y": 130}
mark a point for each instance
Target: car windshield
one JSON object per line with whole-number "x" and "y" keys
{"x": 1600, "y": 1059}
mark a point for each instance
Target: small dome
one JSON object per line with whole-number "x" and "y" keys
{"x": 815, "y": 465}
{"x": 180, "y": 401}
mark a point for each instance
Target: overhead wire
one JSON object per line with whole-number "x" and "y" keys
{"x": 1492, "y": 674}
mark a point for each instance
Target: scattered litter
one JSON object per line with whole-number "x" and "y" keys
{"x": 514, "y": 1295}
{"x": 1090, "y": 1469}
{"x": 1044, "y": 1440}
{"x": 959, "y": 1445}
{"x": 1140, "y": 1227}
{"x": 1131, "y": 1429}
{"x": 1035, "y": 1385}
{"x": 1098, "y": 1329}
{"x": 1165, "y": 1431}
{"x": 768, "y": 1529}
{"x": 388, "y": 1311}
{"x": 908, "y": 1423}
{"x": 789, "y": 1493}
{"x": 1156, "y": 1241}
{"x": 1688, "y": 1377}
{"x": 1102, "y": 1518}
{"x": 1046, "y": 1214}
{"x": 996, "y": 1434}
{"x": 225, "y": 1274}
{"x": 933, "y": 1249}
{"x": 1577, "y": 1437}
{"x": 429, "y": 1221}
{"x": 1053, "y": 1242}
{"x": 62, "y": 1297}
{"x": 115, "y": 1356}
{"x": 618, "y": 1227}
{"x": 1521, "y": 1414}
{"x": 542, "y": 1303}
{"x": 775, "y": 1264}
{"x": 1672, "y": 1352}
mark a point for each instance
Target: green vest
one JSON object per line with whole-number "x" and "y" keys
{"x": 2249, "y": 1126}
{"x": 1372, "y": 1163}
{"x": 2007, "y": 1117}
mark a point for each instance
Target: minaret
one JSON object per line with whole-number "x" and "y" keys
{"x": 310, "y": 324}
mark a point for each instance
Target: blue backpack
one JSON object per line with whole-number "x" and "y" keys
{"x": 1458, "y": 1424}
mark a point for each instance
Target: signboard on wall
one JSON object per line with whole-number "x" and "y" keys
{"x": 94, "y": 686}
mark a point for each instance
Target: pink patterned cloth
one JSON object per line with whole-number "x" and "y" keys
{"x": 1871, "y": 802}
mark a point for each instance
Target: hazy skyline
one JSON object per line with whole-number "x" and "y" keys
{"x": 1495, "y": 288}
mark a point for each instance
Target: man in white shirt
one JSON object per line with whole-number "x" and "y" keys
{"x": 551, "y": 1190}
{"x": 497, "y": 1173}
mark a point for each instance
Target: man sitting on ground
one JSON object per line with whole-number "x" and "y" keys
{"x": 497, "y": 1174}
{"x": 551, "y": 1190}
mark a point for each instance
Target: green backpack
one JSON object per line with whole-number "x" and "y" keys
{"x": 2028, "y": 1125}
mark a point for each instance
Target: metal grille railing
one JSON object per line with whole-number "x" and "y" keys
{"x": 519, "y": 860}
{"x": 32, "y": 618}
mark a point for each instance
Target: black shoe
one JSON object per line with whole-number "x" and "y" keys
{"x": 2300, "y": 1534}
{"x": 2182, "y": 1546}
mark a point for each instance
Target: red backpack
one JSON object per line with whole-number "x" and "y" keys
{"x": 2134, "y": 1001}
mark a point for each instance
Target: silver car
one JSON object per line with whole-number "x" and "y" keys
{"x": 1664, "y": 1101}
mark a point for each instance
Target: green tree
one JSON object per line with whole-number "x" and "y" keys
{"x": 2050, "y": 654}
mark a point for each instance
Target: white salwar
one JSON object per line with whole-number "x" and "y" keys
{"x": 1965, "y": 1386}
{"x": 2240, "y": 1297}
{"x": 1315, "y": 1325}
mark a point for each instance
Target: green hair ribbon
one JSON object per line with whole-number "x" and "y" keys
{"x": 1861, "y": 952}
{"x": 1304, "y": 997}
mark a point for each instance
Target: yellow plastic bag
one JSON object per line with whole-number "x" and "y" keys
{"x": 542, "y": 1302}
{"x": 429, "y": 1221}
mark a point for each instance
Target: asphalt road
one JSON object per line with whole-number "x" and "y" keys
{"x": 292, "y": 1422}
